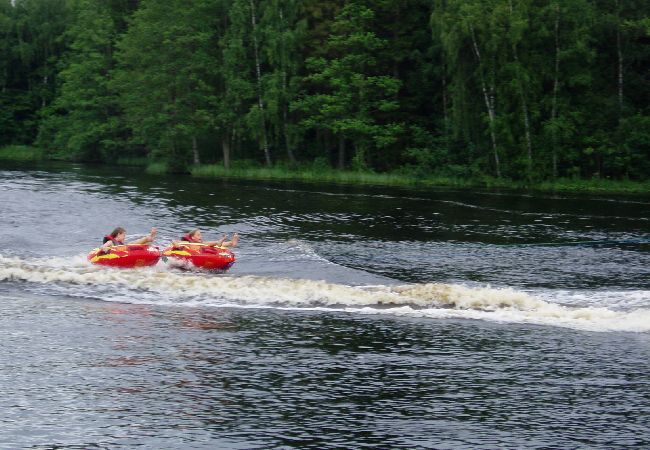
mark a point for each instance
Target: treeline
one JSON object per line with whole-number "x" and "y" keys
{"x": 524, "y": 89}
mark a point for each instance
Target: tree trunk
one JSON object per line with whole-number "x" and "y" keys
{"x": 195, "y": 152}
{"x": 529, "y": 143}
{"x": 489, "y": 104}
{"x": 260, "y": 101}
{"x": 225, "y": 148}
{"x": 285, "y": 112}
{"x": 285, "y": 119}
{"x": 341, "y": 162}
{"x": 619, "y": 51}
{"x": 285, "y": 130}
{"x": 443, "y": 66}
{"x": 46, "y": 55}
{"x": 43, "y": 103}
{"x": 326, "y": 140}
{"x": 524, "y": 108}
{"x": 235, "y": 143}
{"x": 445, "y": 113}
{"x": 556, "y": 86}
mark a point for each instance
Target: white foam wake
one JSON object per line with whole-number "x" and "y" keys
{"x": 431, "y": 300}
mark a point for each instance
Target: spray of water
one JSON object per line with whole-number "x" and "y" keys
{"x": 431, "y": 300}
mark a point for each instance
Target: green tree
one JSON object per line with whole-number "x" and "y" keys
{"x": 620, "y": 85}
{"x": 349, "y": 89}
{"x": 236, "y": 89}
{"x": 7, "y": 123}
{"x": 565, "y": 26}
{"x": 282, "y": 31}
{"x": 84, "y": 120}
{"x": 166, "y": 65}
{"x": 475, "y": 48}
{"x": 33, "y": 33}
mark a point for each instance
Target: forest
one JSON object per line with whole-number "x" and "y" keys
{"x": 513, "y": 89}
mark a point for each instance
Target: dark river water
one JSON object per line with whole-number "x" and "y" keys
{"x": 354, "y": 317}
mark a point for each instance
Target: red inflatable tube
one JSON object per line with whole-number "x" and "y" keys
{"x": 187, "y": 255}
{"x": 126, "y": 256}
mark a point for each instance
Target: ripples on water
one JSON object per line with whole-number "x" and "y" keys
{"x": 354, "y": 317}
{"x": 575, "y": 266}
{"x": 131, "y": 374}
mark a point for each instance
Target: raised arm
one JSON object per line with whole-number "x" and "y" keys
{"x": 218, "y": 243}
{"x": 231, "y": 243}
{"x": 147, "y": 239}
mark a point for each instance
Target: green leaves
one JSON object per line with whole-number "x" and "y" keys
{"x": 166, "y": 72}
{"x": 531, "y": 89}
{"x": 348, "y": 90}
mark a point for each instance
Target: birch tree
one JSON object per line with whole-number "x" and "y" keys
{"x": 258, "y": 116}
{"x": 282, "y": 30}
{"x": 236, "y": 90}
{"x": 468, "y": 26}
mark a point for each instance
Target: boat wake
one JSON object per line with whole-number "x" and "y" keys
{"x": 158, "y": 285}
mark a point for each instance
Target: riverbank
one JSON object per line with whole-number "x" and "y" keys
{"x": 21, "y": 153}
{"x": 404, "y": 179}
{"x": 321, "y": 173}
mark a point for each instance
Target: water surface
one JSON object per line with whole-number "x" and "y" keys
{"x": 353, "y": 317}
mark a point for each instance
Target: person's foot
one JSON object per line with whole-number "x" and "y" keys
{"x": 235, "y": 239}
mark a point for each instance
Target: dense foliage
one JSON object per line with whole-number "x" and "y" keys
{"x": 523, "y": 89}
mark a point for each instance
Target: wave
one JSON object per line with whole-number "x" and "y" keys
{"x": 428, "y": 300}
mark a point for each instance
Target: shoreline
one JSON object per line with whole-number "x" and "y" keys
{"x": 320, "y": 174}
{"x": 401, "y": 180}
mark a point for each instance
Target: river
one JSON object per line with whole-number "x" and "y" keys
{"x": 354, "y": 317}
